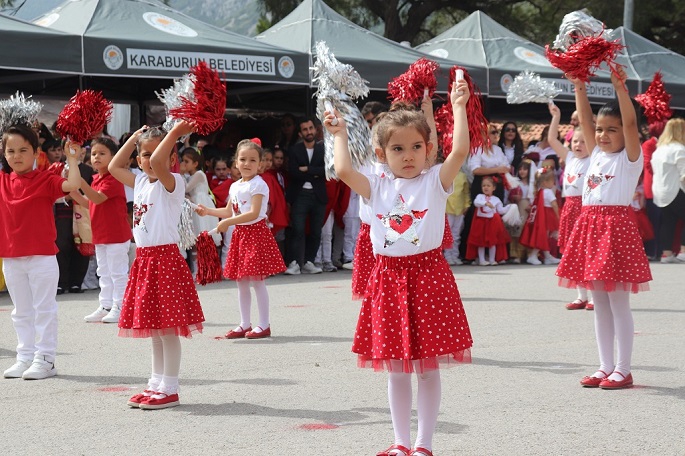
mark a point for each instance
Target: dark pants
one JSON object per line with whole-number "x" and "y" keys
{"x": 669, "y": 220}
{"x": 306, "y": 205}
{"x": 72, "y": 265}
{"x": 653, "y": 246}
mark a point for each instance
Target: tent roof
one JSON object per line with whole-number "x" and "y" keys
{"x": 642, "y": 58}
{"x": 27, "y": 47}
{"x": 145, "y": 38}
{"x": 377, "y": 59}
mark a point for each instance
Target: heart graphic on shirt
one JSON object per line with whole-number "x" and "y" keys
{"x": 401, "y": 224}
{"x": 594, "y": 181}
{"x": 571, "y": 179}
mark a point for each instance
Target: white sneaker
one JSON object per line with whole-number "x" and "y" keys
{"x": 680, "y": 257}
{"x": 113, "y": 315}
{"x": 348, "y": 266}
{"x": 533, "y": 260}
{"x": 39, "y": 370}
{"x": 17, "y": 369}
{"x": 309, "y": 268}
{"x": 551, "y": 260}
{"x": 669, "y": 259}
{"x": 293, "y": 268}
{"x": 96, "y": 316}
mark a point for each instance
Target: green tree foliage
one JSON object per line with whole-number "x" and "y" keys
{"x": 416, "y": 21}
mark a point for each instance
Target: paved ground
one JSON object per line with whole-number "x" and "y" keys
{"x": 300, "y": 392}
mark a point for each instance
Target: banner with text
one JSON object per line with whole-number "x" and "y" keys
{"x": 150, "y": 59}
{"x": 594, "y": 89}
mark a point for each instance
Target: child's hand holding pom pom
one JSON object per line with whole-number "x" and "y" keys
{"x": 340, "y": 127}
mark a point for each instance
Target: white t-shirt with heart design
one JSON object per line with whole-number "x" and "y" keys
{"x": 574, "y": 175}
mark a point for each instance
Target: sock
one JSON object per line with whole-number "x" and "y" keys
{"x": 481, "y": 254}
{"x": 244, "y": 301}
{"x": 547, "y": 255}
{"x": 491, "y": 253}
{"x": 262, "y": 296}
{"x": 168, "y": 387}
{"x": 428, "y": 406}
{"x": 625, "y": 331}
{"x": 582, "y": 293}
{"x": 533, "y": 253}
{"x": 153, "y": 383}
{"x": 604, "y": 332}
{"x": 400, "y": 397}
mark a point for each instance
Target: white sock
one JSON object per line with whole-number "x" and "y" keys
{"x": 625, "y": 331}
{"x": 400, "y": 398}
{"x": 481, "y": 254}
{"x": 244, "y": 302}
{"x": 168, "y": 387}
{"x": 428, "y": 406}
{"x": 547, "y": 255}
{"x": 582, "y": 293}
{"x": 604, "y": 332}
{"x": 491, "y": 252}
{"x": 153, "y": 383}
{"x": 262, "y": 296}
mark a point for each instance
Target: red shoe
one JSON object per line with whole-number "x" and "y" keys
{"x": 237, "y": 334}
{"x": 576, "y": 305}
{"x": 418, "y": 451}
{"x": 401, "y": 448}
{"x": 627, "y": 382}
{"x": 259, "y": 335}
{"x": 590, "y": 306}
{"x": 592, "y": 382}
{"x": 165, "y": 402}
{"x": 136, "y": 400}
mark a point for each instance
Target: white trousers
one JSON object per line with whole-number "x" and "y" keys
{"x": 32, "y": 285}
{"x": 112, "y": 262}
{"x": 456, "y": 223}
{"x": 352, "y": 225}
{"x": 323, "y": 255}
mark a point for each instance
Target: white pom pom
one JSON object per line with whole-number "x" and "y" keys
{"x": 171, "y": 97}
{"x": 528, "y": 87}
{"x": 512, "y": 182}
{"x": 185, "y": 227}
{"x": 577, "y": 25}
{"x": 18, "y": 110}
{"x": 513, "y": 216}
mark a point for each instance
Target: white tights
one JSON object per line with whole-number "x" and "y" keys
{"x": 613, "y": 318}
{"x": 427, "y": 405}
{"x": 492, "y": 251}
{"x": 166, "y": 364}
{"x": 245, "y": 302}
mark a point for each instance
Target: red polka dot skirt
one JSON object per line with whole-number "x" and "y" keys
{"x": 570, "y": 212}
{"x": 253, "y": 254}
{"x": 160, "y": 297}
{"x": 487, "y": 232}
{"x": 363, "y": 263}
{"x": 604, "y": 251}
{"x": 412, "y": 314}
{"x": 447, "y": 238}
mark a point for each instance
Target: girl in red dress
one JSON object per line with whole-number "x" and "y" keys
{"x": 253, "y": 254}
{"x": 160, "y": 301}
{"x": 604, "y": 252}
{"x": 543, "y": 219}
{"x": 487, "y": 228}
{"x": 412, "y": 318}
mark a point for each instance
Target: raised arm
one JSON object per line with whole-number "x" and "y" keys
{"x": 427, "y": 109}
{"x": 159, "y": 161}
{"x": 341, "y": 156}
{"x": 74, "y": 174}
{"x": 584, "y": 114}
{"x": 628, "y": 116}
{"x": 460, "y": 142}
{"x": 553, "y": 134}
{"x": 119, "y": 166}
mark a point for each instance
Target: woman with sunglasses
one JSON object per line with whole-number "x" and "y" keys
{"x": 511, "y": 143}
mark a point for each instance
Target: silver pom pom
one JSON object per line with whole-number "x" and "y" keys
{"x": 18, "y": 110}
{"x": 528, "y": 87}
{"x": 577, "y": 25}
{"x": 340, "y": 84}
{"x": 171, "y": 97}
{"x": 185, "y": 227}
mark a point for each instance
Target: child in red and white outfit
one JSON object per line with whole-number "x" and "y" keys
{"x": 160, "y": 301}
{"x": 253, "y": 254}
{"x": 106, "y": 201}
{"x": 577, "y": 162}
{"x": 487, "y": 228}
{"x": 543, "y": 219}
{"x": 412, "y": 318}
{"x": 28, "y": 249}
{"x": 604, "y": 251}
{"x": 639, "y": 214}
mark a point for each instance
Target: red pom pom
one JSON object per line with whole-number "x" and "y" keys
{"x": 656, "y": 101}
{"x": 206, "y": 112}
{"x": 84, "y": 116}
{"x": 208, "y": 263}
{"x": 584, "y": 57}
{"x": 410, "y": 85}
{"x": 56, "y": 168}
{"x": 478, "y": 124}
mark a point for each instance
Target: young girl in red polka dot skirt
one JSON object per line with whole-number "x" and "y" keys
{"x": 160, "y": 301}
{"x": 253, "y": 254}
{"x": 577, "y": 163}
{"x": 543, "y": 219}
{"x": 604, "y": 251}
{"x": 412, "y": 318}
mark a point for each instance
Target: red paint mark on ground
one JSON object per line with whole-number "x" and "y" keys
{"x": 296, "y": 307}
{"x": 219, "y": 337}
{"x": 4, "y": 310}
{"x": 317, "y": 427}
{"x": 114, "y": 389}
{"x": 332, "y": 286}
